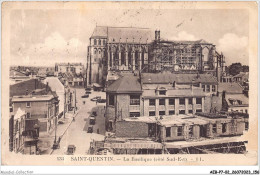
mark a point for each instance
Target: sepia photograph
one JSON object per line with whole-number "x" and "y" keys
{"x": 129, "y": 83}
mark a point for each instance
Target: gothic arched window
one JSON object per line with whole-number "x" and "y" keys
{"x": 122, "y": 57}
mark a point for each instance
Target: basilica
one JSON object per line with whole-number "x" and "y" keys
{"x": 129, "y": 49}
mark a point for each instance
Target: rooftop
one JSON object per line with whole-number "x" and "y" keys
{"x": 54, "y": 83}
{"x": 123, "y": 34}
{"x": 201, "y": 41}
{"x": 31, "y": 98}
{"x": 163, "y": 78}
{"x": 126, "y": 84}
{"x": 19, "y": 114}
{"x": 230, "y": 88}
{"x": 237, "y": 97}
{"x": 169, "y": 120}
{"x": 69, "y": 64}
{"x": 149, "y": 91}
{"x": 242, "y": 74}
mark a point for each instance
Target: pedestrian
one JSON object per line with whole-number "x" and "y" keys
{"x": 98, "y": 131}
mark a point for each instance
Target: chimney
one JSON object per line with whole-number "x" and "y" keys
{"x": 47, "y": 87}
{"x": 35, "y": 83}
{"x": 158, "y": 35}
{"x": 224, "y": 94}
{"x": 173, "y": 84}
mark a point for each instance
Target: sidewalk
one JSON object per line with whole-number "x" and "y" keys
{"x": 62, "y": 128}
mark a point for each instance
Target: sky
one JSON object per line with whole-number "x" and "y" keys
{"x": 62, "y": 35}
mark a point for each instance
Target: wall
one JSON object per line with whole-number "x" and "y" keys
{"x": 38, "y": 110}
{"x": 123, "y": 105}
{"x": 213, "y": 102}
{"x": 168, "y": 107}
{"x": 185, "y": 133}
{"x": 238, "y": 124}
{"x": 131, "y": 129}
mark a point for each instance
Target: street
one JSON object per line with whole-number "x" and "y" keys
{"x": 76, "y": 133}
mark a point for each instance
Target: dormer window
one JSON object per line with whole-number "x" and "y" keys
{"x": 162, "y": 92}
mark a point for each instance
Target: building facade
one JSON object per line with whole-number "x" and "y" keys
{"x": 41, "y": 109}
{"x": 69, "y": 67}
{"x": 157, "y": 95}
{"x": 130, "y": 49}
{"x": 116, "y": 48}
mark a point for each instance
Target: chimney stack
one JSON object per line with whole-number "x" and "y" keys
{"x": 173, "y": 84}
{"x": 47, "y": 87}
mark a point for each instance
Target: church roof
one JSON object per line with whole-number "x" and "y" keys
{"x": 129, "y": 34}
{"x": 123, "y": 34}
{"x": 100, "y": 31}
{"x": 201, "y": 41}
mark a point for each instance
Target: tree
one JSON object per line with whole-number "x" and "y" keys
{"x": 235, "y": 68}
{"x": 245, "y": 68}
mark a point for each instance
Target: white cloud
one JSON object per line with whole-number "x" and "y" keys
{"x": 55, "y": 48}
{"x": 232, "y": 41}
{"x": 234, "y": 48}
{"x": 183, "y": 35}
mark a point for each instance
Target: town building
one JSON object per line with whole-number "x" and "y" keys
{"x": 41, "y": 109}
{"x": 241, "y": 78}
{"x": 72, "y": 79}
{"x": 16, "y": 137}
{"x": 23, "y": 137}
{"x": 16, "y": 76}
{"x": 235, "y": 99}
{"x": 130, "y": 49}
{"x": 189, "y": 134}
{"x": 55, "y": 84}
{"x": 77, "y": 68}
{"x": 158, "y": 95}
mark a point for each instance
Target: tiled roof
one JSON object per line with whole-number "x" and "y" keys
{"x": 230, "y": 88}
{"x": 240, "y": 97}
{"x": 165, "y": 78}
{"x": 126, "y": 84}
{"x": 242, "y": 74}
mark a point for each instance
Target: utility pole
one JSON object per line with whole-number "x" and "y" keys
{"x": 75, "y": 101}
{"x": 64, "y": 103}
